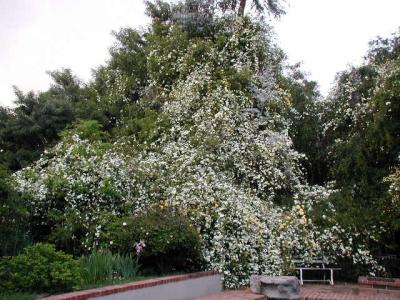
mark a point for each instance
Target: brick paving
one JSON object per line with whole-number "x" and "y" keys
{"x": 347, "y": 292}
{"x": 233, "y": 295}
{"x": 319, "y": 292}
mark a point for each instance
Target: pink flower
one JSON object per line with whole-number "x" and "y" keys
{"x": 139, "y": 247}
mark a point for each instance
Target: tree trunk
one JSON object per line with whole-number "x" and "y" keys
{"x": 242, "y": 6}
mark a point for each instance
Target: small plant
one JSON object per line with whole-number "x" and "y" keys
{"x": 105, "y": 267}
{"x": 39, "y": 268}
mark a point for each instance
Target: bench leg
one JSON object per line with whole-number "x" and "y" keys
{"x": 331, "y": 277}
{"x": 301, "y": 276}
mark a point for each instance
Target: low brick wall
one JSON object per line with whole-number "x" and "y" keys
{"x": 194, "y": 284}
{"x": 387, "y": 283}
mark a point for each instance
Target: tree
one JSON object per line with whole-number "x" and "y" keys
{"x": 200, "y": 8}
{"x": 37, "y": 118}
{"x": 272, "y": 7}
{"x": 362, "y": 130}
{"x": 306, "y": 124}
{"x": 32, "y": 125}
{"x": 13, "y": 217}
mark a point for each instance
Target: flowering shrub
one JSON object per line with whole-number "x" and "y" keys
{"x": 394, "y": 188}
{"x": 74, "y": 188}
{"x": 225, "y": 161}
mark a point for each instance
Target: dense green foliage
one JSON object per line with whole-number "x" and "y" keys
{"x": 362, "y": 129}
{"x": 39, "y": 268}
{"x": 13, "y": 217}
{"x": 306, "y": 129}
{"x": 172, "y": 244}
{"x": 35, "y": 121}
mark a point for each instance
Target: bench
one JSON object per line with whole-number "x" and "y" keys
{"x": 316, "y": 264}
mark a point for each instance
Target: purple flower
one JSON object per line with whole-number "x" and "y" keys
{"x": 139, "y": 247}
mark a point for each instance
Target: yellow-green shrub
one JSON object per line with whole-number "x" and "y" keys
{"x": 39, "y": 268}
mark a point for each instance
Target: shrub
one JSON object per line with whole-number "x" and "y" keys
{"x": 105, "y": 267}
{"x": 39, "y": 268}
{"x": 13, "y": 217}
{"x": 172, "y": 244}
{"x": 73, "y": 185}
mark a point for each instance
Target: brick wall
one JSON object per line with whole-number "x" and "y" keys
{"x": 387, "y": 283}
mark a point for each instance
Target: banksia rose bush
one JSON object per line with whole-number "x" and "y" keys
{"x": 223, "y": 159}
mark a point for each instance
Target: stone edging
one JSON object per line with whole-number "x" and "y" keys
{"x": 381, "y": 282}
{"x": 83, "y": 295}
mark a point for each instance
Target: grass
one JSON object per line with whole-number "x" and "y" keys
{"x": 17, "y": 296}
{"x": 113, "y": 282}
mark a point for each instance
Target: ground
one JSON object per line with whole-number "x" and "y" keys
{"x": 319, "y": 292}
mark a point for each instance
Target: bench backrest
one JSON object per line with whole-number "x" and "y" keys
{"x": 314, "y": 262}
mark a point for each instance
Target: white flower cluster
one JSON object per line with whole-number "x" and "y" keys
{"x": 80, "y": 180}
{"x": 394, "y": 186}
{"x": 352, "y": 98}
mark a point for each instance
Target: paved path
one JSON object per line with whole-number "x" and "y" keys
{"x": 319, "y": 292}
{"x": 233, "y": 295}
{"x": 347, "y": 292}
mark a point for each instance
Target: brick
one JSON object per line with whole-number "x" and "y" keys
{"x": 380, "y": 282}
